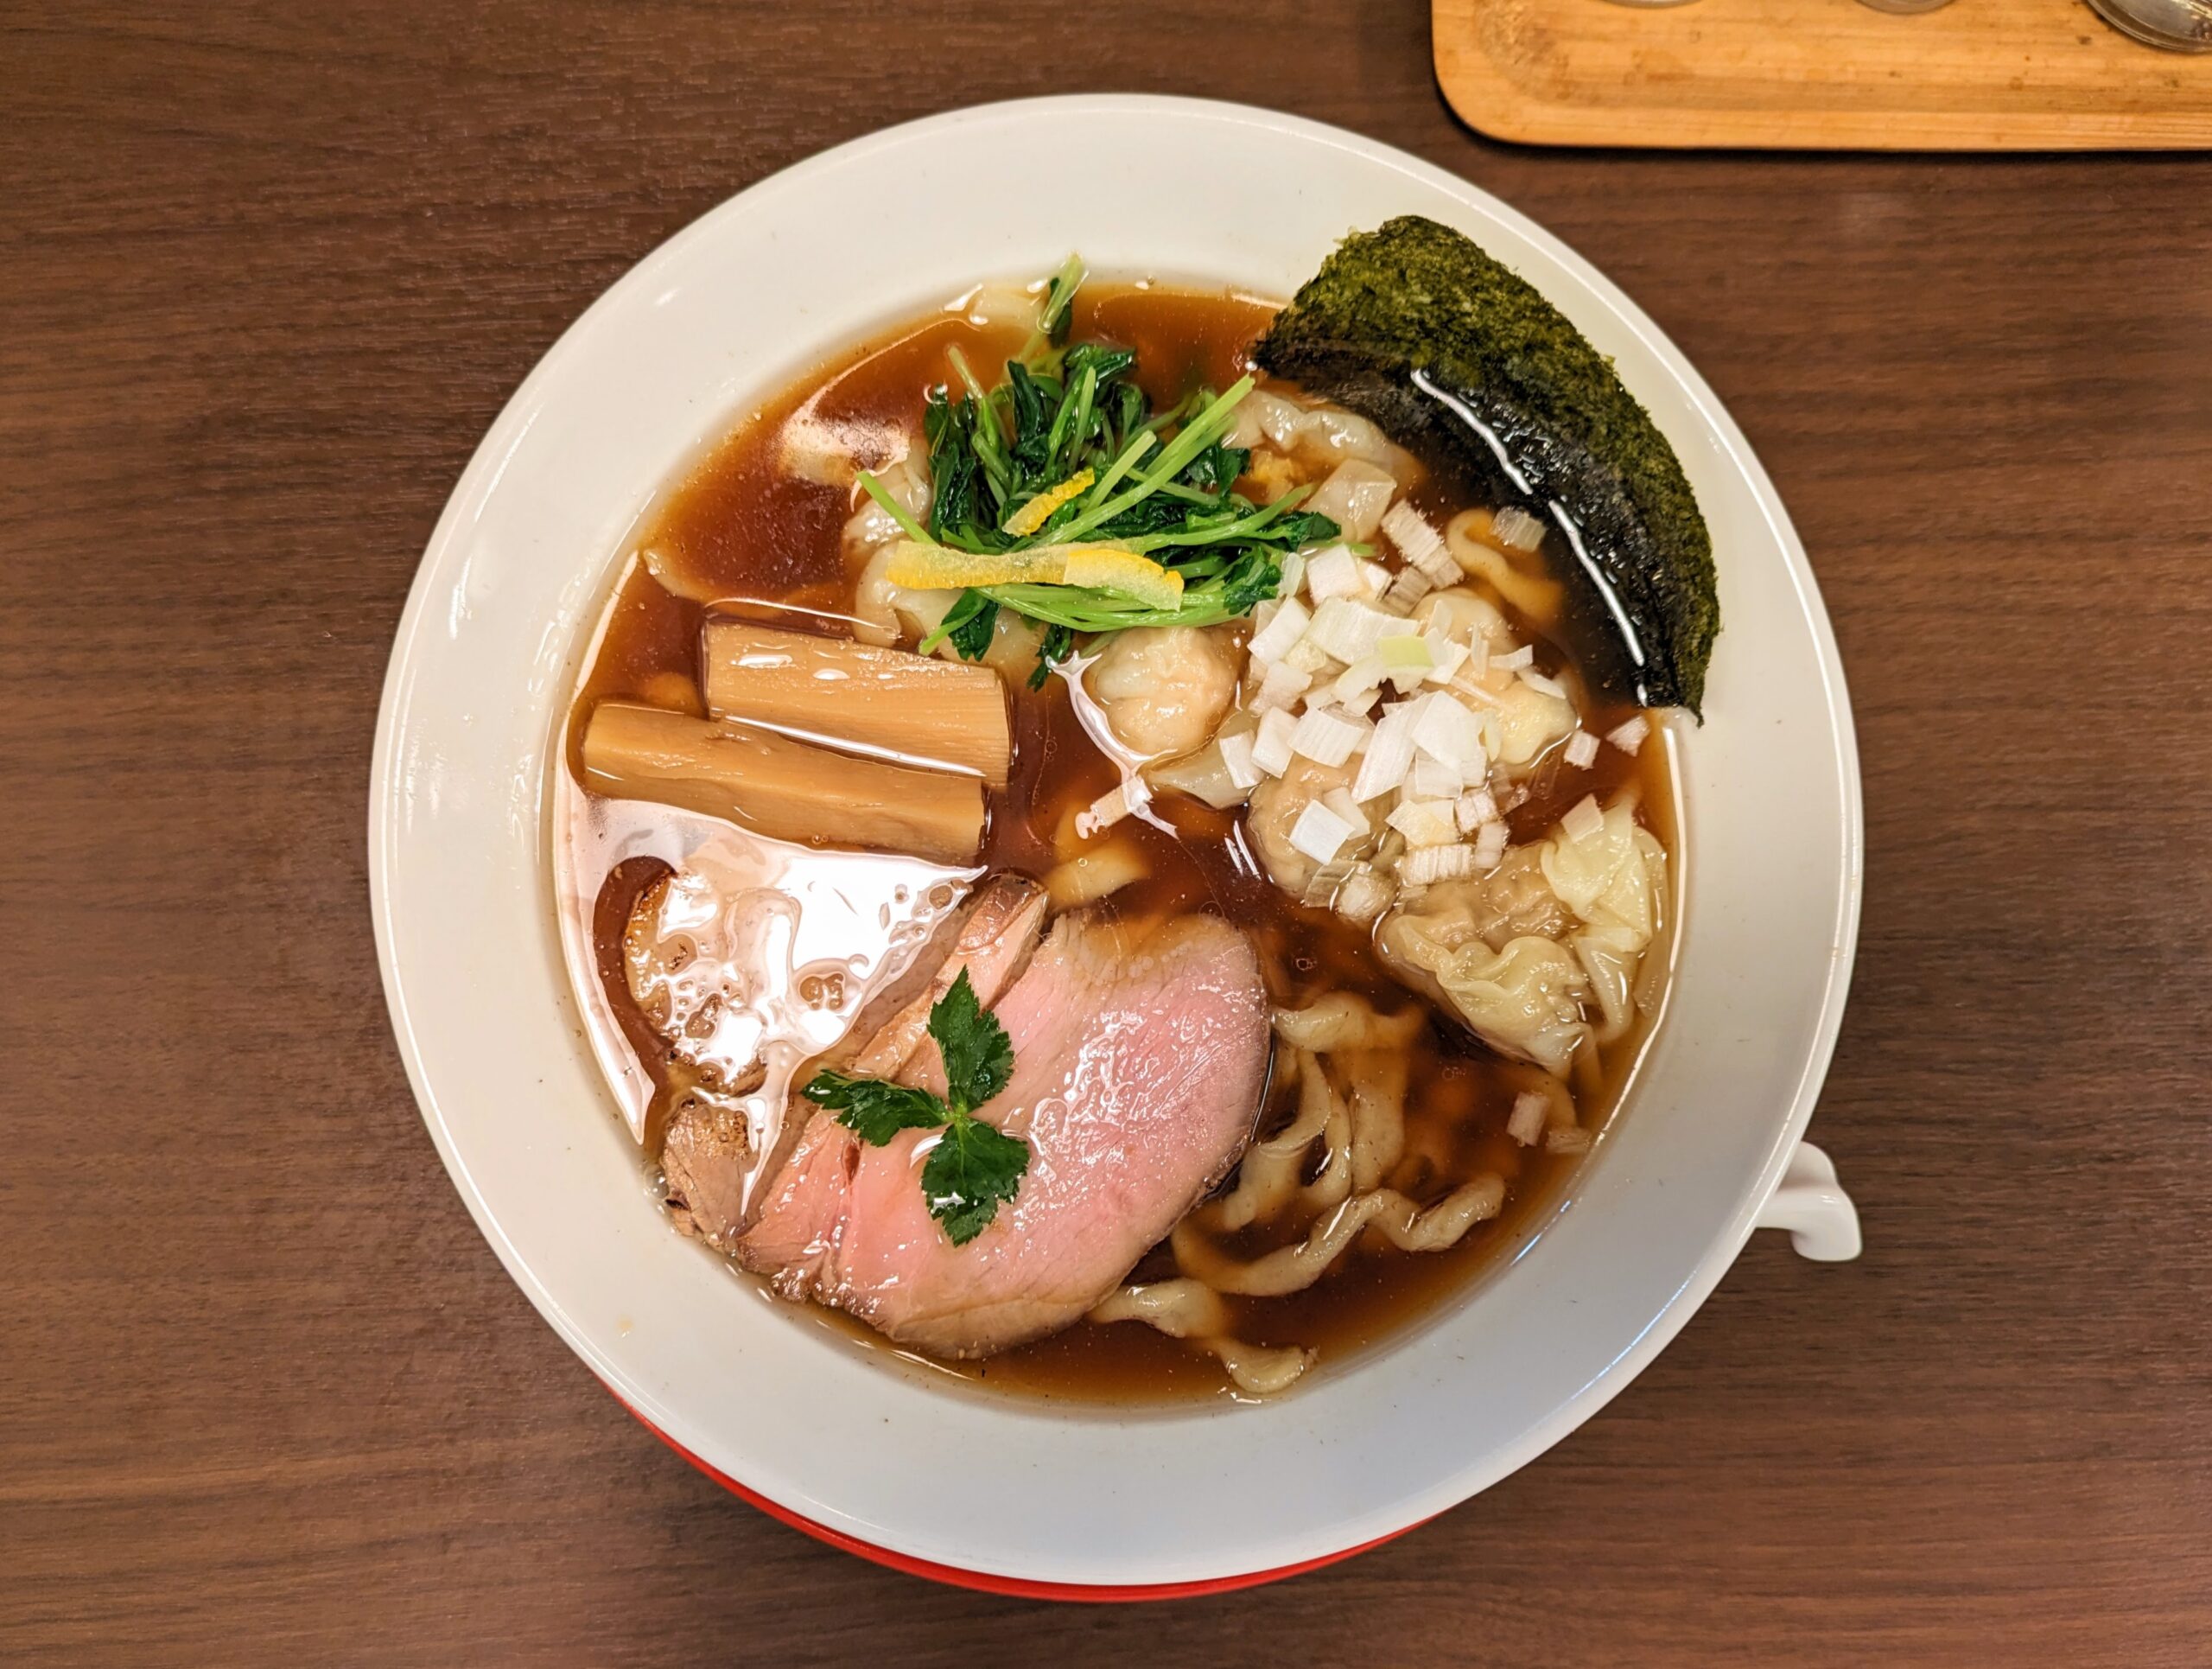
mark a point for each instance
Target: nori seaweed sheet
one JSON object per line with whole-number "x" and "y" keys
{"x": 1414, "y": 326}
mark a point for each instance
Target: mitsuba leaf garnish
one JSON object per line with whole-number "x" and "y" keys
{"x": 968, "y": 624}
{"x": 1458, "y": 357}
{"x": 972, "y": 1167}
{"x": 971, "y": 1171}
{"x": 978, "y": 1054}
{"x": 1059, "y": 645}
{"x": 873, "y": 1108}
{"x": 1067, "y": 451}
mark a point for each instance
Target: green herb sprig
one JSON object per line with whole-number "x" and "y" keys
{"x": 1163, "y": 487}
{"x": 972, "y": 1167}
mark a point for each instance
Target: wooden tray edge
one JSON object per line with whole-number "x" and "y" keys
{"x": 1482, "y": 95}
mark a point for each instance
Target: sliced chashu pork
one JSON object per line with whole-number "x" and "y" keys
{"x": 1139, "y": 1063}
{"x": 707, "y": 1154}
{"x": 996, "y": 938}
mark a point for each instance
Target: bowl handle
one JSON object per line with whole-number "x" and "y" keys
{"x": 1822, "y": 1222}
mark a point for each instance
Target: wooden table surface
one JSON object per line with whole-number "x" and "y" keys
{"x": 266, "y": 273}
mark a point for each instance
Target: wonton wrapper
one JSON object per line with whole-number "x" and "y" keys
{"x": 1523, "y": 954}
{"x": 1525, "y": 999}
{"x": 1276, "y": 805}
{"x": 1166, "y": 689}
{"x": 1519, "y": 721}
{"x": 1614, "y": 882}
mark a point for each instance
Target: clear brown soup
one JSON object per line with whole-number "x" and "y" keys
{"x": 740, "y": 529}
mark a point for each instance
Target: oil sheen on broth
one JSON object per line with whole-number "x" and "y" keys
{"x": 743, "y": 532}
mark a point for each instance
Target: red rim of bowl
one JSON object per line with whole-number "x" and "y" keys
{"x": 985, "y": 1582}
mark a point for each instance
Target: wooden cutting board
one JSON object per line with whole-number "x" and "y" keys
{"x": 1817, "y": 74}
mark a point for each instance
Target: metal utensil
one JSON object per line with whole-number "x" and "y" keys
{"x": 2175, "y": 25}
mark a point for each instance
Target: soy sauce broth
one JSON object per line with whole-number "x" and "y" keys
{"x": 740, "y": 531}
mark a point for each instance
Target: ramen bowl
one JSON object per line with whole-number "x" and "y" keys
{"x": 1076, "y": 1499}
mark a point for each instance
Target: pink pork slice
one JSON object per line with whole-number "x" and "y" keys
{"x": 1139, "y": 1063}
{"x": 707, "y": 1157}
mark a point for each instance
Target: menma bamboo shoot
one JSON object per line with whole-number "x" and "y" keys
{"x": 778, "y": 787}
{"x": 889, "y": 702}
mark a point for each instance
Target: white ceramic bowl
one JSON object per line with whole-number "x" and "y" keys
{"x": 1009, "y": 1492}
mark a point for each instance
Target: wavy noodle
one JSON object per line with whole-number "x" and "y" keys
{"x": 1266, "y": 1181}
{"x": 1378, "y": 1115}
{"x": 1260, "y": 1369}
{"x": 1295, "y": 1268}
{"x": 1190, "y": 1309}
{"x": 1362, "y": 1132}
{"x": 1344, "y": 1021}
{"x": 1331, "y": 1183}
{"x": 1181, "y": 1310}
{"x": 1534, "y": 595}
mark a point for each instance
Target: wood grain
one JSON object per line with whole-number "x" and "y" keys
{"x": 1784, "y": 74}
{"x": 266, "y": 273}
